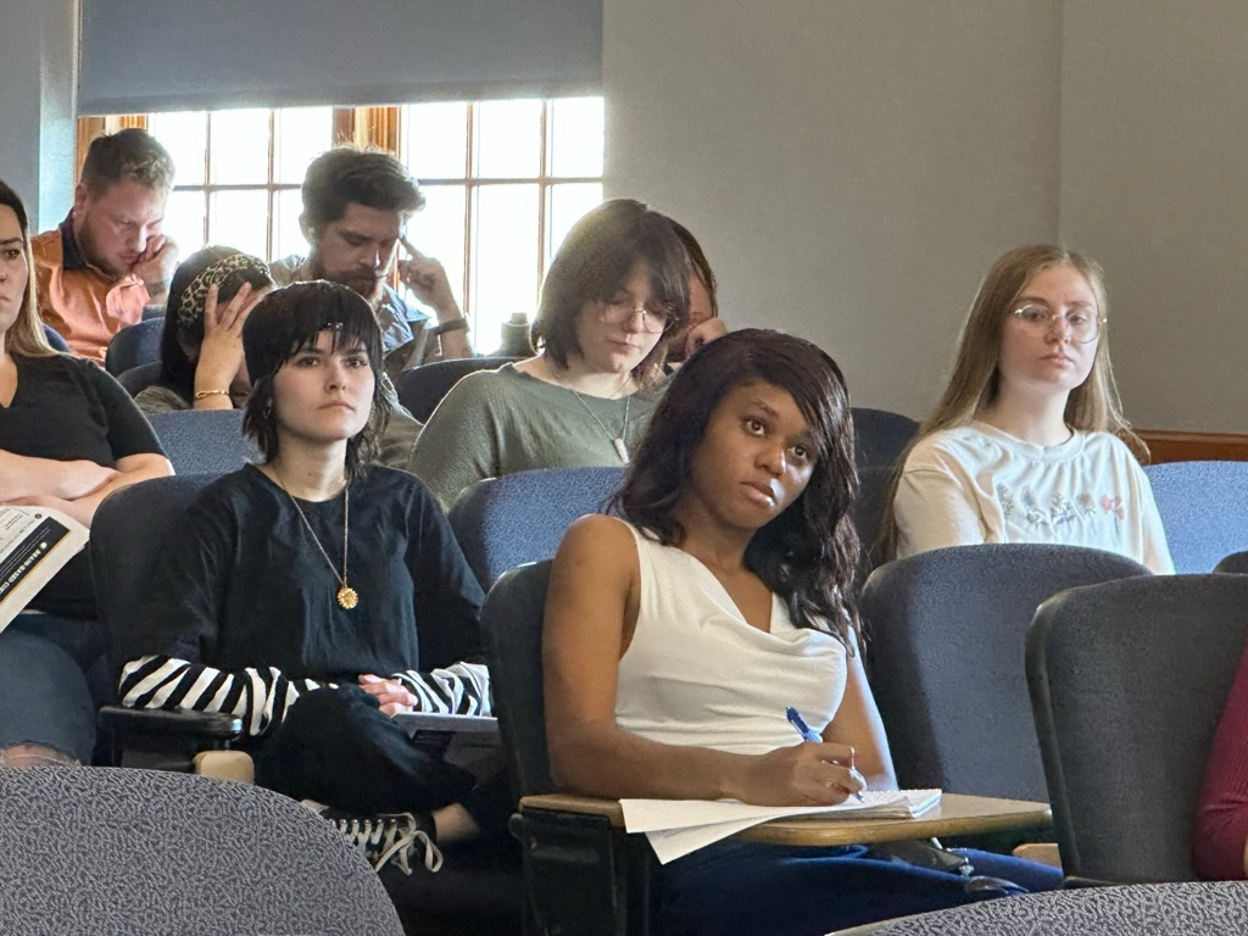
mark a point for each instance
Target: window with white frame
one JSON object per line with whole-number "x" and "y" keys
{"x": 504, "y": 181}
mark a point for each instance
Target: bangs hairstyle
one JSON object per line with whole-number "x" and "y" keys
{"x": 594, "y": 263}
{"x": 808, "y": 554}
{"x": 25, "y": 337}
{"x": 177, "y": 370}
{"x": 286, "y": 322}
{"x": 975, "y": 383}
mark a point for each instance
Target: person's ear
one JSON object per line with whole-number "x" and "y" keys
{"x": 80, "y": 196}
{"x": 310, "y": 233}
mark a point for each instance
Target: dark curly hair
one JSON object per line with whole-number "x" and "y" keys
{"x": 286, "y": 322}
{"x": 809, "y": 553}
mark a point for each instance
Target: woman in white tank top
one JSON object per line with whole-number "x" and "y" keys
{"x": 675, "y": 642}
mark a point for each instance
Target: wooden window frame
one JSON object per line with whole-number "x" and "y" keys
{"x": 375, "y": 128}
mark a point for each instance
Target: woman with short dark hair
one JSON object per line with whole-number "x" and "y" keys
{"x": 616, "y": 295}
{"x": 202, "y": 365}
{"x": 314, "y": 595}
{"x": 201, "y": 345}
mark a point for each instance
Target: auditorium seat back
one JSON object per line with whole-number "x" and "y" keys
{"x": 137, "y": 379}
{"x": 1204, "y": 508}
{"x": 55, "y": 339}
{"x": 521, "y": 517}
{"x": 946, "y": 634}
{"x": 111, "y": 851}
{"x": 1235, "y": 563}
{"x": 204, "y": 441}
{"x": 1128, "y": 680}
{"x": 128, "y": 533}
{"x": 422, "y": 388}
{"x": 134, "y": 345}
{"x": 880, "y": 437}
{"x": 511, "y": 625}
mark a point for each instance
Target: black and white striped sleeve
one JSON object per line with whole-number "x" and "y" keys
{"x": 260, "y": 696}
{"x": 459, "y": 689}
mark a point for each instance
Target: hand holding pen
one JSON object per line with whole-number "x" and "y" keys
{"x": 808, "y": 734}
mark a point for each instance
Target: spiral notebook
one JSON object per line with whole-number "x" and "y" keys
{"x": 678, "y": 827}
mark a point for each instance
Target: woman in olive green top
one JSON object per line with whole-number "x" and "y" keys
{"x": 617, "y": 289}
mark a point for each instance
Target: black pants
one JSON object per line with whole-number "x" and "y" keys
{"x": 336, "y": 747}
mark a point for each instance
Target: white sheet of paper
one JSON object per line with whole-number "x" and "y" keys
{"x": 678, "y": 827}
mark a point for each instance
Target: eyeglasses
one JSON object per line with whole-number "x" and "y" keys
{"x": 1039, "y": 320}
{"x": 655, "y": 317}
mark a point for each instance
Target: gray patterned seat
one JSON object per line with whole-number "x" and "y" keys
{"x": 120, "y": 852}
{"x": 1182, "y": 909}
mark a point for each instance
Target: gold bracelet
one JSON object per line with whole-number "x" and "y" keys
{"x": 204, "y": 394}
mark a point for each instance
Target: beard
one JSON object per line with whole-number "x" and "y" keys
{"x": 365, "y": 284}
{"x": 89, "y": 247}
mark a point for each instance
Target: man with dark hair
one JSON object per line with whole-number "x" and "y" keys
{"x": 355, "y": 205}
{"x": 108, "y": 259}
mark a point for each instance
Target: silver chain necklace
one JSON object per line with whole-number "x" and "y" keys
{"x": 617, "y": 441}
{"x": 621, "y": 448}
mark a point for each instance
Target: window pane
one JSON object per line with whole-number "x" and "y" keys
{"x": 302, "y": 133}
{"x": 287, "y": 238}
{"x": 184, "y": 221}
{"x": 505, "y": 274}
{"x": 240, "y": 147}
{"x": 184, "y": 135}
{"x": 509, "y": 139}
{"x": 567, "y": 203}
{"x": 576, "y": 135}
{"x": 239, "y": 219}
{"x": 437, "y": 230}
{"x": 436, "y": 140}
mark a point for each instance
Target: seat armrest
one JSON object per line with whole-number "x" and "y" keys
{"x": 583, "y": 873}
{"x": 211, "y": 726}
{"x": 582, "y": 805}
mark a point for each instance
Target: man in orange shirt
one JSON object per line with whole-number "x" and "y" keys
{"x": 108, "y": 259}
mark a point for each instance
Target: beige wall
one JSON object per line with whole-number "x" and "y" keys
{"x": 1155, "y": 184}
{"x": 851, "y": 166}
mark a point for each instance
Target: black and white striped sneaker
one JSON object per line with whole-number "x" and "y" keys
{"x": 386, "y": 836}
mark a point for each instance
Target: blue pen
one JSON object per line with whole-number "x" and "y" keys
{"x": 808, "y": 734}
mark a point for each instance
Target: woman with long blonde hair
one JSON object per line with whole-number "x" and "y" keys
{"x": 1028, "y": 442}
{"x": 69, "y": 436}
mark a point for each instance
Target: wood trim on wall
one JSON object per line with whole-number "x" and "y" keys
{"x": 1170, "y": 446}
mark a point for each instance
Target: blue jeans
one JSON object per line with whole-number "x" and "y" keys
{"x": 738, "y": 887}
{"x": 53, "y": 678}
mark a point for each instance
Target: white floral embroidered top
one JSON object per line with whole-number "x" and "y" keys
{"x": 977, "y": 484}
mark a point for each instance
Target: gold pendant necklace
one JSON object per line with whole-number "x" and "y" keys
{"x": 347, "y": 596}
